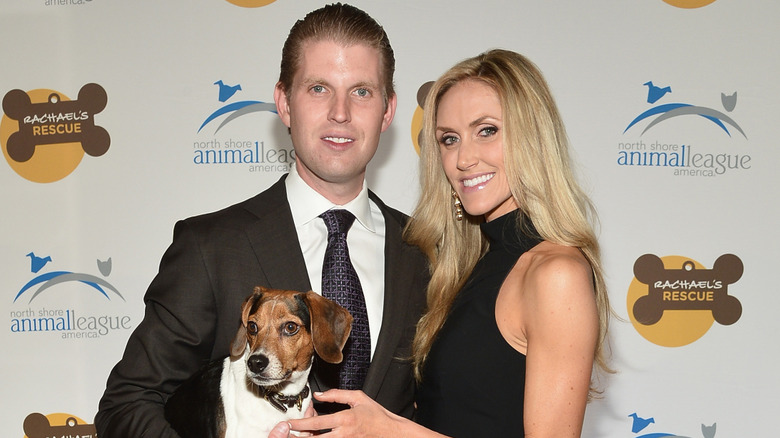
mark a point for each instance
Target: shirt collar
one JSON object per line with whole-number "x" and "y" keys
{"x": 306, "y": 204}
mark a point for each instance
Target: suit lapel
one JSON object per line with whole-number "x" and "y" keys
{"x": 275, "y": 241}
{"x": 395, "y": 295}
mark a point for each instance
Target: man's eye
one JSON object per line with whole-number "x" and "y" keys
{"x": 290, "y": 328}
{"x": 318, "y": 88}
{"x": 362, "y": 92}
{"x": 251, "y": 327}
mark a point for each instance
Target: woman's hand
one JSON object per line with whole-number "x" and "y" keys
{"x": 282, "y": 430}
{"x": 365, "y": 418}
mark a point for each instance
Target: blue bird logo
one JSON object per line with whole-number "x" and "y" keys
{"x": 654, "y": 92}
{"x": 235, "y": 109}
{"x": 37, "y": 263}
{"x": 640, "y": 423}
{"x": 226, "y": 91}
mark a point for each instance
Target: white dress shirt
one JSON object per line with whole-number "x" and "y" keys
{"x": 365, "y": 240}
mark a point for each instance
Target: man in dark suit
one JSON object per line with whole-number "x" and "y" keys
{"x": 335, "y": 95}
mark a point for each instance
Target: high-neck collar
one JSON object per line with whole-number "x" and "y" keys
{"x": 503, "y": 232}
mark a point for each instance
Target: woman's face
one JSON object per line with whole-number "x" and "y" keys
{"x": 469, "y": 121}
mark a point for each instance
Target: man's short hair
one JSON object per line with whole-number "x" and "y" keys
{"x": 343, "y": 24}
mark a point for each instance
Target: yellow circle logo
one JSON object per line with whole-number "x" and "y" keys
{"x": 417, "y": 117}
{"x": 689, "y": 4}
{"x": 251, "y": 3}
{"x": 673, "y": 301}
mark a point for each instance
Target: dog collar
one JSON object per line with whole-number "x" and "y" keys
{"x": 283, "y": 402}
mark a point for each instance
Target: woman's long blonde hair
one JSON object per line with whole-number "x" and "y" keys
{"x": 541, "y": 180}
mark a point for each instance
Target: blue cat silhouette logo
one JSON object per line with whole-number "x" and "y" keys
{"x": 49, "y": 279}
{"x": 236, "y": 109}
{"x": 638, "y": 424}
{"x": 671, "y": 110}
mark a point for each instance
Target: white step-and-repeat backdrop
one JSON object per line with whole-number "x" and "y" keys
{"x": 120, "y": 117}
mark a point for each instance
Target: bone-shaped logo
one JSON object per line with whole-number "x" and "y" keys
{"x": 56, "y": 121}
{"x": 688, "y": 288}
{"x": 36, "y": 425}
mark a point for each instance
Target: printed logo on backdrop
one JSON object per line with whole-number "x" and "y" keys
{"x": 673, "y": 300}
{"x": 218, "y": 146}
{"x": 704, "y": 142}
{"x": 47, "y": 303}
{"x": 65, "y": 2}
{"x": 640, "y": 427}
{"x": 37, "y": 425}
{"x": 251, "y": 3}
{"x": 689, "y": 4}
{"x": 417, "y": 117}
{"x": 44, "y": 135}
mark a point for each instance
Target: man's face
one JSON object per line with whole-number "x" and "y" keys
{"x": 335, "y": 111}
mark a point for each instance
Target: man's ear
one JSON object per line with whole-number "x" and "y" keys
{"x": 392, "y": 101}
{"x": 282, "y": 104}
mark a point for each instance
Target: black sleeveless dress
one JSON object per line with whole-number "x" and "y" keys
{"x": 473, "y": 380}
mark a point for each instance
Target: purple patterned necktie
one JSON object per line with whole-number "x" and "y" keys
{"x": 341, "y": 284}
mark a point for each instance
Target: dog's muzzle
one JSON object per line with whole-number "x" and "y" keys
{"x": 257, "y": 363}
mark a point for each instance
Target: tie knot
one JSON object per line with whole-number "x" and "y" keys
{"x": 338, "y": 221}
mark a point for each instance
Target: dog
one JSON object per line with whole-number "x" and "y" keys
{"x": 265, "y": 379}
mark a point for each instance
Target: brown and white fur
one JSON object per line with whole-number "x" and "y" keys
{"x": 264, "y": 380}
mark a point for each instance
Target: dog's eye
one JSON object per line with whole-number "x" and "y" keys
{"x": 251, "y": 327}
{"x": 290, "y": 328}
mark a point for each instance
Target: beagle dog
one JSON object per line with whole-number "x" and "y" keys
{"x": 265, "y": 378}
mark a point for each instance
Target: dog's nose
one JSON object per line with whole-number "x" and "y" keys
{"x": 257, "y": 363}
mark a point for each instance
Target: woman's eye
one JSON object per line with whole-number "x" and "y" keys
{"x": 251, "y": 327}
{"x": 488, "y": 131}
{"x": 291, "y": 328}
{"x": 448, "y": 140}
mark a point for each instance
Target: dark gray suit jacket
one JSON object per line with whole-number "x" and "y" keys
{"x": 193, "y": 309}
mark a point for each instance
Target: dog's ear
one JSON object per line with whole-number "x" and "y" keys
{"x": 330, "y": 326}
{"x": 250, "y": 303}
{"x": 239, "y": 341}
{"x": 238, "y": 345}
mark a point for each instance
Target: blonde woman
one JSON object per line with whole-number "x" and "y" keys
{"x": 517, "y": 306}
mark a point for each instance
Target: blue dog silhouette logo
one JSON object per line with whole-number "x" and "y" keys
{"x": 639, "y": 424}
{"x": 235, "y": 109}
{"x": 48, "y": 279}
{"x": 666, "y": 111}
